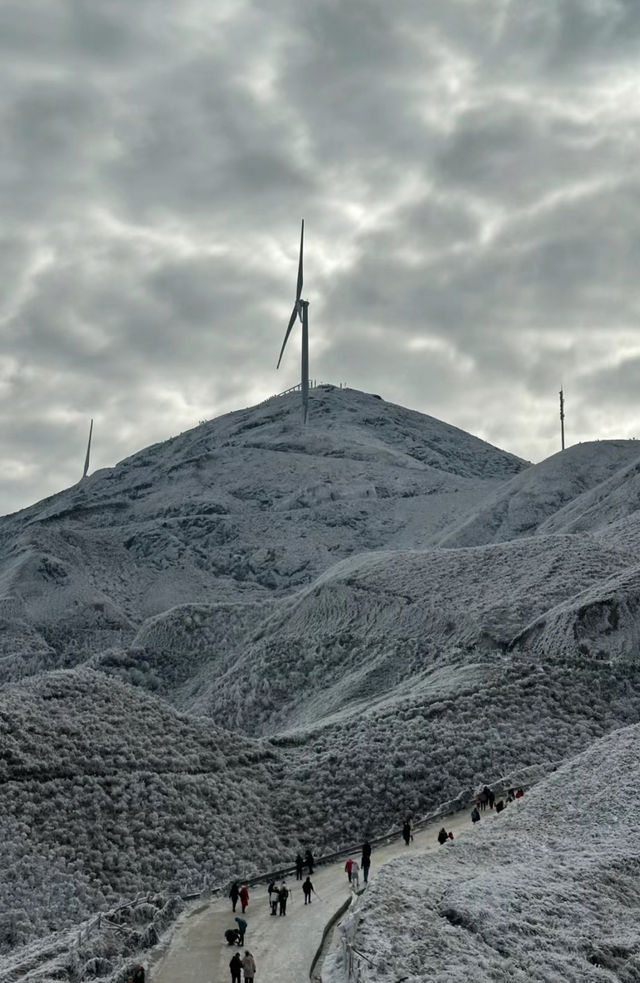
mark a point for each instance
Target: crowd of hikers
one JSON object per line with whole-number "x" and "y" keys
{"x": 487, "y": 798}
{"x": 278, "y": 894}
{"x": 244, "y": 967}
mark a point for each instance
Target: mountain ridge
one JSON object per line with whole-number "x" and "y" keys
{"x": 306, "y": 613}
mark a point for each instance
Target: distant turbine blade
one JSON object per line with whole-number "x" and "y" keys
{"x": 292, "y": 321}
{"x": 299, "y": 287}
{"x": 86, "y": 460}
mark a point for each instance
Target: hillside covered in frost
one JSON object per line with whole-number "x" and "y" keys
{"x": 254, "y": 638}
{"x": 546, "y": 890}
{"x": 246, "y": 507}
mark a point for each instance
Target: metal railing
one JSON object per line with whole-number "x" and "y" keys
{"x": 353, "y": 957}
{"x": 313, "y": 384}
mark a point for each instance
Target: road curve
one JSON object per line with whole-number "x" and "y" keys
{"x": 283, "y": 947}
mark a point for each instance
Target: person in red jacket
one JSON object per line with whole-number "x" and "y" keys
{"x": 347, "y": 867}
{"x": 244, "y": 897}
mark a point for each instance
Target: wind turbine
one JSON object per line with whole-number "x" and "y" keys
{"x": 86, "y": 460}
{"x": 300, "y": 309}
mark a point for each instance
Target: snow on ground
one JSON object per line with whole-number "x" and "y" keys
{"x": 283, "y": 947}
{"x": 107, "y": 793}
{"x": 242, "y": 508}
{"x": 327, "y": 664}
{"x": 547, "y": 891}
{"x": 379, "y": 620}
{"x": 558, "y": 495}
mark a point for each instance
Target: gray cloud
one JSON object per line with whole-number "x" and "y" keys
{"x": 467, "y": 173}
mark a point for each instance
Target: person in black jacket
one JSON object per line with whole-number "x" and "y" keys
{"x": 365, "y": 863}
{"x": 307, "y": 888}
{"x": 234, "y": 894}
{"x": 443, "y": 836}
{"x": 309, "y": 861}
{"x": 235, "y": 965}
{"x": 406, "y": 832}
{"x": 299, "y": 866}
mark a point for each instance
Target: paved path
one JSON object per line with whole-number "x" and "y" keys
{"x": 283, "y": 947}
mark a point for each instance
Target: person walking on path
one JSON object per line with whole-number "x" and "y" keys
{"x": 347, "y": 867}
{"x": 236, "y": 968}
{"x": 475, "y": 815}
{"x": 244, "y": 898}
{"x": 283, "y": 896}
{"x": 242, "y": 928}
{"x": 492, "y": 798}
{"x": 307, "y": 888}
{"x": 234, "y": 894}
{"x": 355, "y": 875}
{"x": 248, "y": 967}
{"x": 274, "y": 897}
{"x": 365, "y": 863}
{"x": 406, "y": 832}
{"x": 309, "y": 861}
{"x": 442, "y": 836}
{"x": 299, "y": 866}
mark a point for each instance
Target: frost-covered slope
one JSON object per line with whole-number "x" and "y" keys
{"x": 244, "y": 507}
{"x": 329, "y": 668}
{"x": 545, "y": 891}
{"x": 581, "y": 489}
{"x": 107, "y": 792}
{"x": 371, "y": 625}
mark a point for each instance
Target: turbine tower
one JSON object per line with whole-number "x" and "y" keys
{"x": 86, "y": 460}
{"x": 300, "y": 309}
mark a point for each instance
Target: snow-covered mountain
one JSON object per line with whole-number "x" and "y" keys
{"x": 338, "y": 625}
{"x": 245, "y": 507}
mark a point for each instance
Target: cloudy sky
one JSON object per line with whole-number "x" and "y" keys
{"x": 469, "y": 175}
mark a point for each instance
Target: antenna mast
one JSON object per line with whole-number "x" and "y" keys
{"x": 562, "y": 417}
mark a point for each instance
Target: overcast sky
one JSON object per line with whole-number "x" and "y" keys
{"x": 469, "y": 175}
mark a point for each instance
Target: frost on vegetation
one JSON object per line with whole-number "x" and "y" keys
{"x": 545, "y": 891}
{"x": 107, "y": 793}
{"x": 103, "y": 947}
{"x": 244, "y": 641}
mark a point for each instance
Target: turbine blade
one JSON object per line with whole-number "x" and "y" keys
{"x": 87, "y": 458}
{"x": 292, "y": 321}
{"x": 299, "y": 287}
